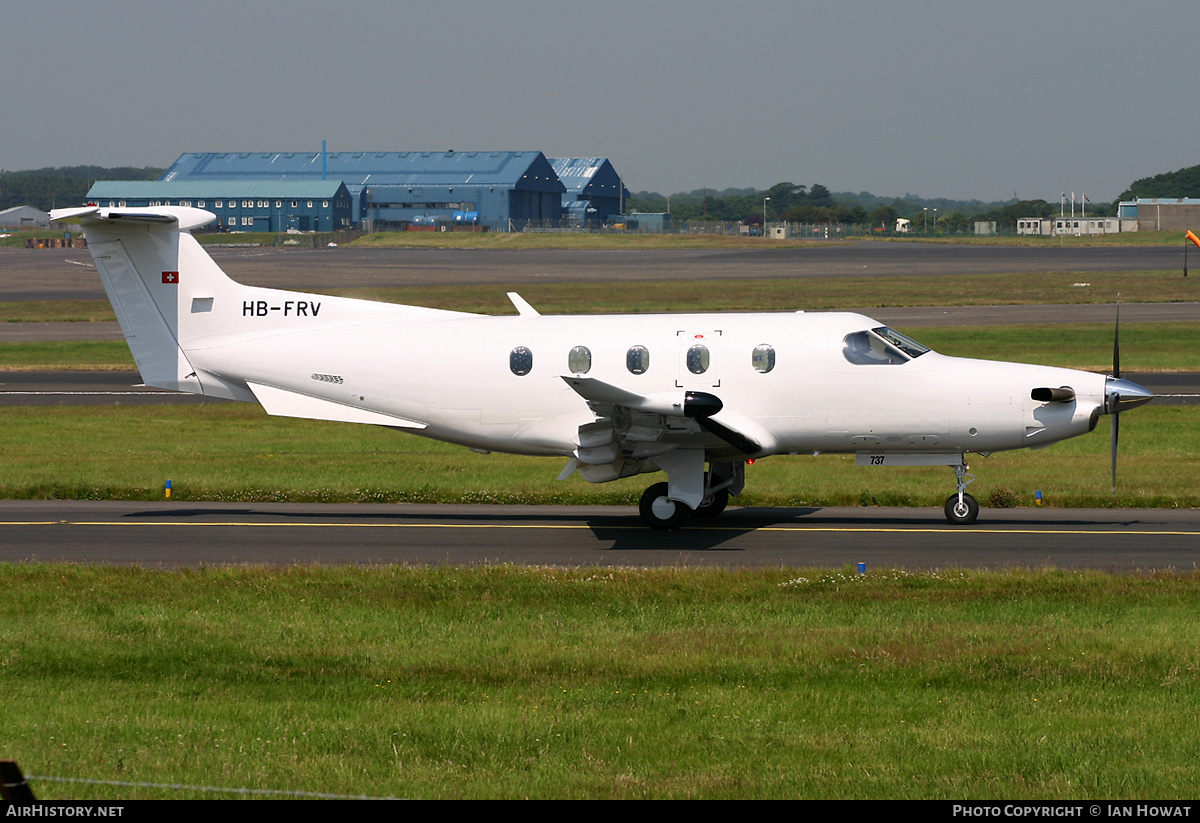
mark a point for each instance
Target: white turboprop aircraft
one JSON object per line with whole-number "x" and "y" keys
{"x": 617, "y": 395}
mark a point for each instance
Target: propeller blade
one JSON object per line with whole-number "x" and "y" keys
{"x": 1117, "y": 341}
{"x": 1116, "y": 436}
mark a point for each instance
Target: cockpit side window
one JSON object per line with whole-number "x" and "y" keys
{"x": 866, "y": 349}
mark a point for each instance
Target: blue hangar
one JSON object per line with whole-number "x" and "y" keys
{"x": 594, "y": 190}
{"x": 499, "y": 190}
{"x": 241, "y": 205}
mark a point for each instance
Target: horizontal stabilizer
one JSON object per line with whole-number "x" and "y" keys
{"x": 283, "y": 403}
{"x": 187, "y": 218}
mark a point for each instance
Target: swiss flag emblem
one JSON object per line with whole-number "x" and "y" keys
{"x": 171, "y": 277}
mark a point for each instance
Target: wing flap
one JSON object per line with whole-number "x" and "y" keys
{"x": 638, "y": 433}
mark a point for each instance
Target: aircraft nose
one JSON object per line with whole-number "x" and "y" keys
{"x": 1123, "y": 395}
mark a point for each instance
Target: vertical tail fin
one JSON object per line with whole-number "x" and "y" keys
{"x": 155, "y": 275}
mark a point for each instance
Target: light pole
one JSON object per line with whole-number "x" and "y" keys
{"x": 765, "y": 199}
{"x": 925, "y": 220}
{"x": 935, "y": 221}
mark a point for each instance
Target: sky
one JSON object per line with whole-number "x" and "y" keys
{"x": 960, "y": 99}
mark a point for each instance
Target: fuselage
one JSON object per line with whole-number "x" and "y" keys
{"x": 496, "y": 383}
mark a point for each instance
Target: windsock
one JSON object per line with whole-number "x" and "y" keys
{"x": 1192, "y": 237}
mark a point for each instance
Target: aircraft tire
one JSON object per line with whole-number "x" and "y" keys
{"x": 713, "y": 505}
{"x": 961, "y": 514}
{"x": 660, "y": 513}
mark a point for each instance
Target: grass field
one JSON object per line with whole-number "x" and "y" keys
{"x": 509, "y": 682}
{"x": 235, "y": 452}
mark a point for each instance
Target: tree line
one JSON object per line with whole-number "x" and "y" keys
{"x": 62, "y": 187}
{"x": 792, "y": 203}
{"x": 1182, "y": 183}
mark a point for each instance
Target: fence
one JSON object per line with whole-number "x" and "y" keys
{"x": 791, "y": 231}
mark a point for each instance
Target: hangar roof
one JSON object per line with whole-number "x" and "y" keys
{"x": 231, "y": 189}
{"x": 527, "y": 170}
{"x": 588, "y": 176}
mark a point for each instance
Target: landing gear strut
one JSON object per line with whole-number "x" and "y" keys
{"x": 961, "y": 508}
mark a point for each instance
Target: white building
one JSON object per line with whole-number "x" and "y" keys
{"x": 1079, "y": 226}
{"x": 24, "y": 217}
{"x": 1040, "y": 226}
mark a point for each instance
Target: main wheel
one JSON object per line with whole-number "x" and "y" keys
{"x": 714, "y": 504}
{"x": 660, "y": 513}
{"x": 964, "y": 513}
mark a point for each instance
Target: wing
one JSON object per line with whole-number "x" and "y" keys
{"x": 632, "y": 431}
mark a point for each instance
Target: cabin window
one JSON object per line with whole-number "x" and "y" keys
{"x": 579, "y": 360}
{"x": 763, "y": 358}
{"x": 697, "y": 359}
{"x": 520, "y": 360}
{"x": 637, "y": 359}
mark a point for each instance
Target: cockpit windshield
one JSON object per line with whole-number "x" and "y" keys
{"x": 901, "y": 341}
{"x": 881, "y": 346}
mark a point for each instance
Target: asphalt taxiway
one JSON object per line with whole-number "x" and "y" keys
{"x": 175, "y": 535}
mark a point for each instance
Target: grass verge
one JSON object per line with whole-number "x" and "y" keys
{"x": 235, "y": 452}
{"x": 507, "y": 682}
{"x": 811, "y": 294}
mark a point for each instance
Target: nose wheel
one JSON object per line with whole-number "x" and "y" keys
{"x": 961, "y": 508}
{"x": 961, "y": 512}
